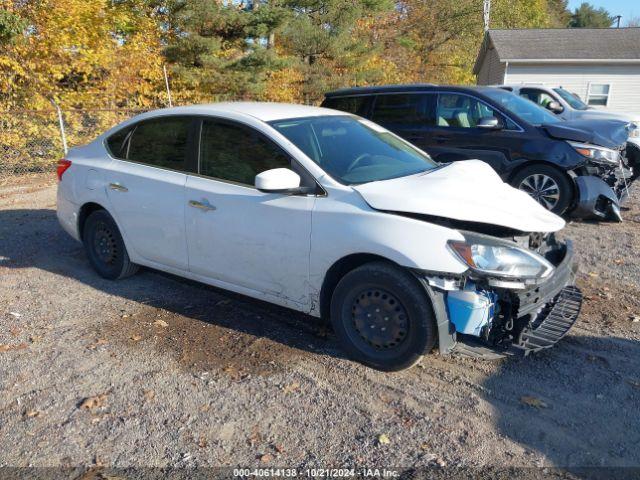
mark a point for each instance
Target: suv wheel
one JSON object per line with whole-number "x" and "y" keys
{"x": 547, "y": 185}
{"x": 383, "y": 317}
{"x": 105, "y": 247}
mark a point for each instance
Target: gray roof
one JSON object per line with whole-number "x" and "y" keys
{"x": 563, "y": 44}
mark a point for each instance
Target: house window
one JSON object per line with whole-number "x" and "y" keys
{"x": 598, "y": 94}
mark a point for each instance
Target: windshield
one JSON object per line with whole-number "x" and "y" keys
{"x": 525, "y": 109}
{"x": 353, "y": 150}
{"x": 571, "y": 99}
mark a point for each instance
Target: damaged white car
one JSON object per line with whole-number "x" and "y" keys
{"x": 328, "y": 214}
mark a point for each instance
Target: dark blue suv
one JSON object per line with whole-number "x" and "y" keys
{"x": 574, "y": 167}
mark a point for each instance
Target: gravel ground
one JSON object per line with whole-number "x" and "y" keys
{"x": 158, "y": 371}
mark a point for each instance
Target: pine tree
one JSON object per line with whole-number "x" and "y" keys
{"x": 587, "y": 16}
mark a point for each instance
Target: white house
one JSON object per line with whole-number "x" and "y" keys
{"x": 601, "y": 65}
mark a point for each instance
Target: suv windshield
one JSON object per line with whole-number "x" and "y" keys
{"x": 353, "y": 150}
{"x": 571, "y": 99}
{"x": 525, "y": 109}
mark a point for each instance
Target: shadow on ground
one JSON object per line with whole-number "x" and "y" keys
{"x": 583, "y": 399}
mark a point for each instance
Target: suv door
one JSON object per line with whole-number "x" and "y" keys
{"x": 237, "y": 234}
{"x": 456, "y": 136}
{"x": 410, "y": 115}
{"x": 145, "y": 185}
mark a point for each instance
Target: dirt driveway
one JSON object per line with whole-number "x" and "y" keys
{"x": 157, "y": 371}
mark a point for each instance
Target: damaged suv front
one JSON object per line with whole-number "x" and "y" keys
{"x": 517, "y": 296}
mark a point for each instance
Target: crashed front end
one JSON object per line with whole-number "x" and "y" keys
{"x": 518, "y": 295}
{"x": 602, "y": 182}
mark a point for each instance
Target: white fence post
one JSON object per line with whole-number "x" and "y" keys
{"x": 61, "y": 124}
{"x": 166, "y": 82}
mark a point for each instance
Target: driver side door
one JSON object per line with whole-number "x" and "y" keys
{"x": 246, "y": 240}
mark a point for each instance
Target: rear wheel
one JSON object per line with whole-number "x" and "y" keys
{"x": 105, "y": 248}
{"x": 547, "y": 185}
{"x": 383, "y": 317}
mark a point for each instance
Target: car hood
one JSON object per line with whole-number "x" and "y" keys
{"x": 604, "y": 132}
{"x": 468, "y": 191}
{"x": 596, "y": 114}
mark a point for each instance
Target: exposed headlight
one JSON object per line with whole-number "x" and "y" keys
{"x": 500, "y": 259}
{"x": 597, "y": 154}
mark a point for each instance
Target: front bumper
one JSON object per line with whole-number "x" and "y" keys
{"x": 541, "y": 314}
{"x": 597, "y": 200}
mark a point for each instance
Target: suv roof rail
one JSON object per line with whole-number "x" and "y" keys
{"x": 380, "y": 88}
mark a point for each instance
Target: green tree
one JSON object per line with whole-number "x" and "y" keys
{"x": 328, "y": 46}
{"x": 11, "y": 25}
{"x": 559, "y": 13}
{"x": 588, "y": 16}
{"x": 220, "y": 50}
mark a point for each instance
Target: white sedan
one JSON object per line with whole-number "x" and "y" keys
{"x": 328, "y": 214}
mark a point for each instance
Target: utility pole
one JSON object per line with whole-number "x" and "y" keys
{"x": 618, "y": 17}
{"x": 486, "y": 12}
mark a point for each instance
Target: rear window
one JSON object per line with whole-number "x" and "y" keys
{"x": 355, "y": 105}
{"x": 397, "y": 109}
{"x": 159, "y": 142}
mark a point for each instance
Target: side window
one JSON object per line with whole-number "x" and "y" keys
{"x": 237, "y": 154}
{"x": 355, "y": 105}
{"x": 161, "y": 142}
{"x": 118, "y": 142}
{"x": 462, "y": 111}
{"x": 540, "y": 97}
{"x": 401, "y": 109}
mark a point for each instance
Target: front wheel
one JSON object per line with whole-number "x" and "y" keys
{"x": 383, "y": 317}
{"x": 547, "y": 185}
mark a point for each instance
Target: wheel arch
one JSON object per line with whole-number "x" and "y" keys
{"x": 560, "y": 170}
{"x": 338, "y": 270}
{"x": 86, "y": 210}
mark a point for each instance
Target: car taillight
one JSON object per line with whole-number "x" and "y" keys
{"x": 63, "y": 165}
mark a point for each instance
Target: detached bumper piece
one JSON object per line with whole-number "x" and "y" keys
{"x": 551, "y": 324}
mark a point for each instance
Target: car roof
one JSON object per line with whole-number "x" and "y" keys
{"x": 264, "y": 111}
{"x": 413, "y": 87}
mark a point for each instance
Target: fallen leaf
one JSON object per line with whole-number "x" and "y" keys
{"x": 202, "y": 443}
{"x": 266, "y": 458}
{"x": 136, "y": 338}
{"x": 7, "y": 348}
{"x": 161, "y": 323}
{"x": 149, "y": 394}
{"x": 533, "y": 402}
{"x": 32, "y": 413}
{"x": 97, "y": 343}
{"x": 292, "y": 387}
{"x": 278, "y": 448}
{"x": 383, "y": 439}
{"x": 97, "y": 401}
{"x": 593, "y": 274}
{"x": 618, "y": 261}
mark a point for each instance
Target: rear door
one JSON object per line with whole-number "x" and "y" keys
{"x": 409, "y": 115}
{"x": 145, "y": 185}
{"x": 237, "y": 234}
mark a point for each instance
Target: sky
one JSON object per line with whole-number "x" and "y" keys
{"x": 626, "y": 8}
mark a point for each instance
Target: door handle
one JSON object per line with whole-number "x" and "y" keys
{"x": 118, "y": 187}
{"x": 204, "y": 206}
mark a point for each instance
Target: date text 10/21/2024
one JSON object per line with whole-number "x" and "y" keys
{"x": 317, "y": 472}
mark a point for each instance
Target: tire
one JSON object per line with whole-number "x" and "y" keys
{"x": 105, "y": 248}
{"x": 402, "y": 327}
{"x": 538, "y": 179}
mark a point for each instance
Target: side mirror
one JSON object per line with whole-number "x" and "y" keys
{"x": 278, "y": 180}
{"x": 555, "y": 107}
{"x": 490, "y": 123}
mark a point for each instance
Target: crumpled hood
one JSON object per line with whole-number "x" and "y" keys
{"x": 469, "y": 191}
{"x": 604, "y": 132}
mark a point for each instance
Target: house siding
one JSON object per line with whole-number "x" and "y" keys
{"x": 624, "y": 95}
{"x": 492, "y": 70}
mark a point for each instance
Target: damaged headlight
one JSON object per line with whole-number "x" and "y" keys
{"x": 597, "y": 154}
{"x": 500, "y": 259}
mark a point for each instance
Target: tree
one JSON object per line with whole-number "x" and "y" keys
{"x": 587, "y": 16}
{"x": 325, "y": 39}
{"x": 220, "y": 50}
{"x": 559, "y": 13}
